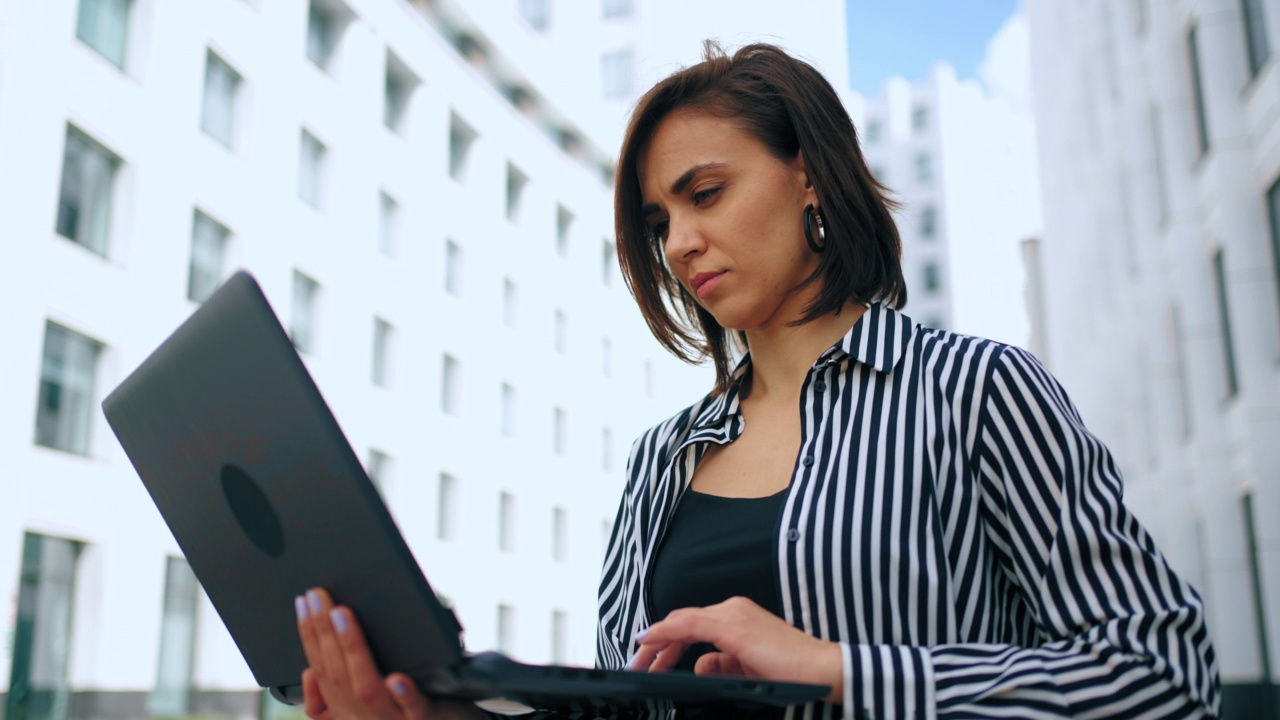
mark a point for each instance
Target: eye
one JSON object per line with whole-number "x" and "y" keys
{"x": 702, "y": 196}
{"x": 658, "y": 231}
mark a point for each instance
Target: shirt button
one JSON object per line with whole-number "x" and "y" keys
{"x": 793, "y": 535}
{"x": 808, "y": 460}
{"x": 820, "y": 386}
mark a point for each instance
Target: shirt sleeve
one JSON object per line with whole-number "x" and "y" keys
{"x": 1118, "y": 634}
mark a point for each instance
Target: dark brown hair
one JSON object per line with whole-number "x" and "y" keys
{"x": 791, "y": 108}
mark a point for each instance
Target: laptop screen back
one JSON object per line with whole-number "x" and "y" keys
{"x": 264, "y": 495}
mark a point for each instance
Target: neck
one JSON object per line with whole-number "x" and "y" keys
{"x": 781, "y": 356}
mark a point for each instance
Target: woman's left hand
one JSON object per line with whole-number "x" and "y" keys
{"x": 750, "y": 641}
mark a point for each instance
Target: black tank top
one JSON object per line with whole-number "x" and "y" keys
{"x": 716, "y": 548}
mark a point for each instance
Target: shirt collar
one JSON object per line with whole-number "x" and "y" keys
{"x": 879, "y": 339}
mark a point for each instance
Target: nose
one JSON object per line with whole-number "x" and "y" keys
{"x": 684, "y": 240}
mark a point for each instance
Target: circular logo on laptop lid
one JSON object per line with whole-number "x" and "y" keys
{"x": 252, "y": 510}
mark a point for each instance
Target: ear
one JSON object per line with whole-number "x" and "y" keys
{"x": 802, "y": 177}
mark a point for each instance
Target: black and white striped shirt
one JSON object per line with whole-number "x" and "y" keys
{"x": 953, "y": 525}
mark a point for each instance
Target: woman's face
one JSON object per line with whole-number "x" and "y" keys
{"x": 729, "y": 215}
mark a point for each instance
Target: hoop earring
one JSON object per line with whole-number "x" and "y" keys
{"x": 810, "y": 215}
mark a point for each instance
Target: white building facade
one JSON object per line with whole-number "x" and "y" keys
{"x": 423, "y": 189}
{"x": 443, "y": 262}
{"x": 1160, "y": 150}
{"x": 961, "y": 161}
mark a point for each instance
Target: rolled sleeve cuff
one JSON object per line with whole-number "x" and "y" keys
{"x": 887, "y": 682}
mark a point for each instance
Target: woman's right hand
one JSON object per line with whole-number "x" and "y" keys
{"x": 343, "y": 683}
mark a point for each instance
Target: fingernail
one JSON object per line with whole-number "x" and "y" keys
{"x": 339, "y": 619}
{"x": 640, "y": 636}
{"x": 400, "y": 687}
{"x": 313, "y": 599}
{"x": 300, "y": 606}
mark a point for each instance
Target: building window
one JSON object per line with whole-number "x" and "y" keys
{"x": 84, "y": 201}
{"x": 450, "y": 390}
{"x": 378, "y": 468}
{"x": 172, "y": 694}
{"x": 506, "y": 522}
{"x": 559, "y": 432}
{"x": 559, "y": 636}
{"x": 398, "y": 86}
{"x": 1157, "y": 153}
{"x": 616, "y": 73}
{"x": 447, "y": 507}
{"x": 562, "y": 333}
{"x": 564, "y": 221}
{"x": 388, "y": 225}
{"x": 1180, "y": 367}
{"x": 66, "y": 405}
{"x": 559, "y": 534}
{"x": 42, "y": 629}
{"x": 324, "y": 27}
{"x": 311, "y": 169}
{"x": 209, "y": 240}
{"x": 461, "y": 138}
{"x": 872, "y": 134}
{"x": 1273, "y": 216}
{"x": 218, "y": 111}
{"x": 104, "y": 26}
{"x": 608, "y": 262}
{"x": 452, "y": 268}
{"x": 1255, "y": 34}
{"x": 302, "y": 320}
{"x": 919, "y": 119}
{"x": 606, "y": 357}
{"x": 506, "y": 628}
{"x": 384, "y": 340}
{"x": 508, "y": 410}
{"x": 537, "y": 13}
{"x": 1230, "y": 378}
{"x": 606, "y": 449}
{"x": 932, "y": 278}
{"x": 617, "y": 8}
{"x": 924, "y": 169}
{"x": 516, "y": 182}
{"x": 928, "y": 222}
{"x": 1139, "y": 9}
{"x": 1197, "y": 91}
{"x": 650, "y": 379}
{"x": 508, "y": 302}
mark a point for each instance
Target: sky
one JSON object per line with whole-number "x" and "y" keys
{"x": 906, "y": 37}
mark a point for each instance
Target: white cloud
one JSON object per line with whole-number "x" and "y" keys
{"x": 1005, "y": 70}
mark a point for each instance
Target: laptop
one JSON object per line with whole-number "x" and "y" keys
{"x": 266, "y": 499}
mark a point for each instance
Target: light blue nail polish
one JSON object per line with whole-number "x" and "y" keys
{"x": 313, "y": 599}
{"x": 300, "y": 606}
{"x": 400, "y": 687}
{"x": 339, "y": 620}
{"x": 640, "y": 636}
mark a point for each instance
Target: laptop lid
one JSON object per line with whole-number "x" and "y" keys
{"x": 264, "y": 495}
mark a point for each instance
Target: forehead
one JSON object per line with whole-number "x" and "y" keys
{"x": 686, "y": 138}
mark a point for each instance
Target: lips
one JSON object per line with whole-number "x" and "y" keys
{"x": 704, "y": 282}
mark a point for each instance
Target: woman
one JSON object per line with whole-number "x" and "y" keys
{"x": 915, "y": 518}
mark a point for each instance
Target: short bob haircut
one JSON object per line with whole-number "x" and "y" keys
{"x": 792, "y": 109}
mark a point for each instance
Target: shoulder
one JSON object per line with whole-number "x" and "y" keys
{"x": 655, "y": 445}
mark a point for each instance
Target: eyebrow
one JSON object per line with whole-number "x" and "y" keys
{"x": 680, "y": 184}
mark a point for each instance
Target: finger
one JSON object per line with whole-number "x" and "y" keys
{"x": 306, "y": 633}
{"x": 718, "y": 663}
{"x": 331, "y": 663}
{"x": 668, "y": 657}
{"x": 313, "y": 703}
{"x": 644, "y": 656}
{"x": 366, "y": 680}
{"x": 406, "y": 696}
